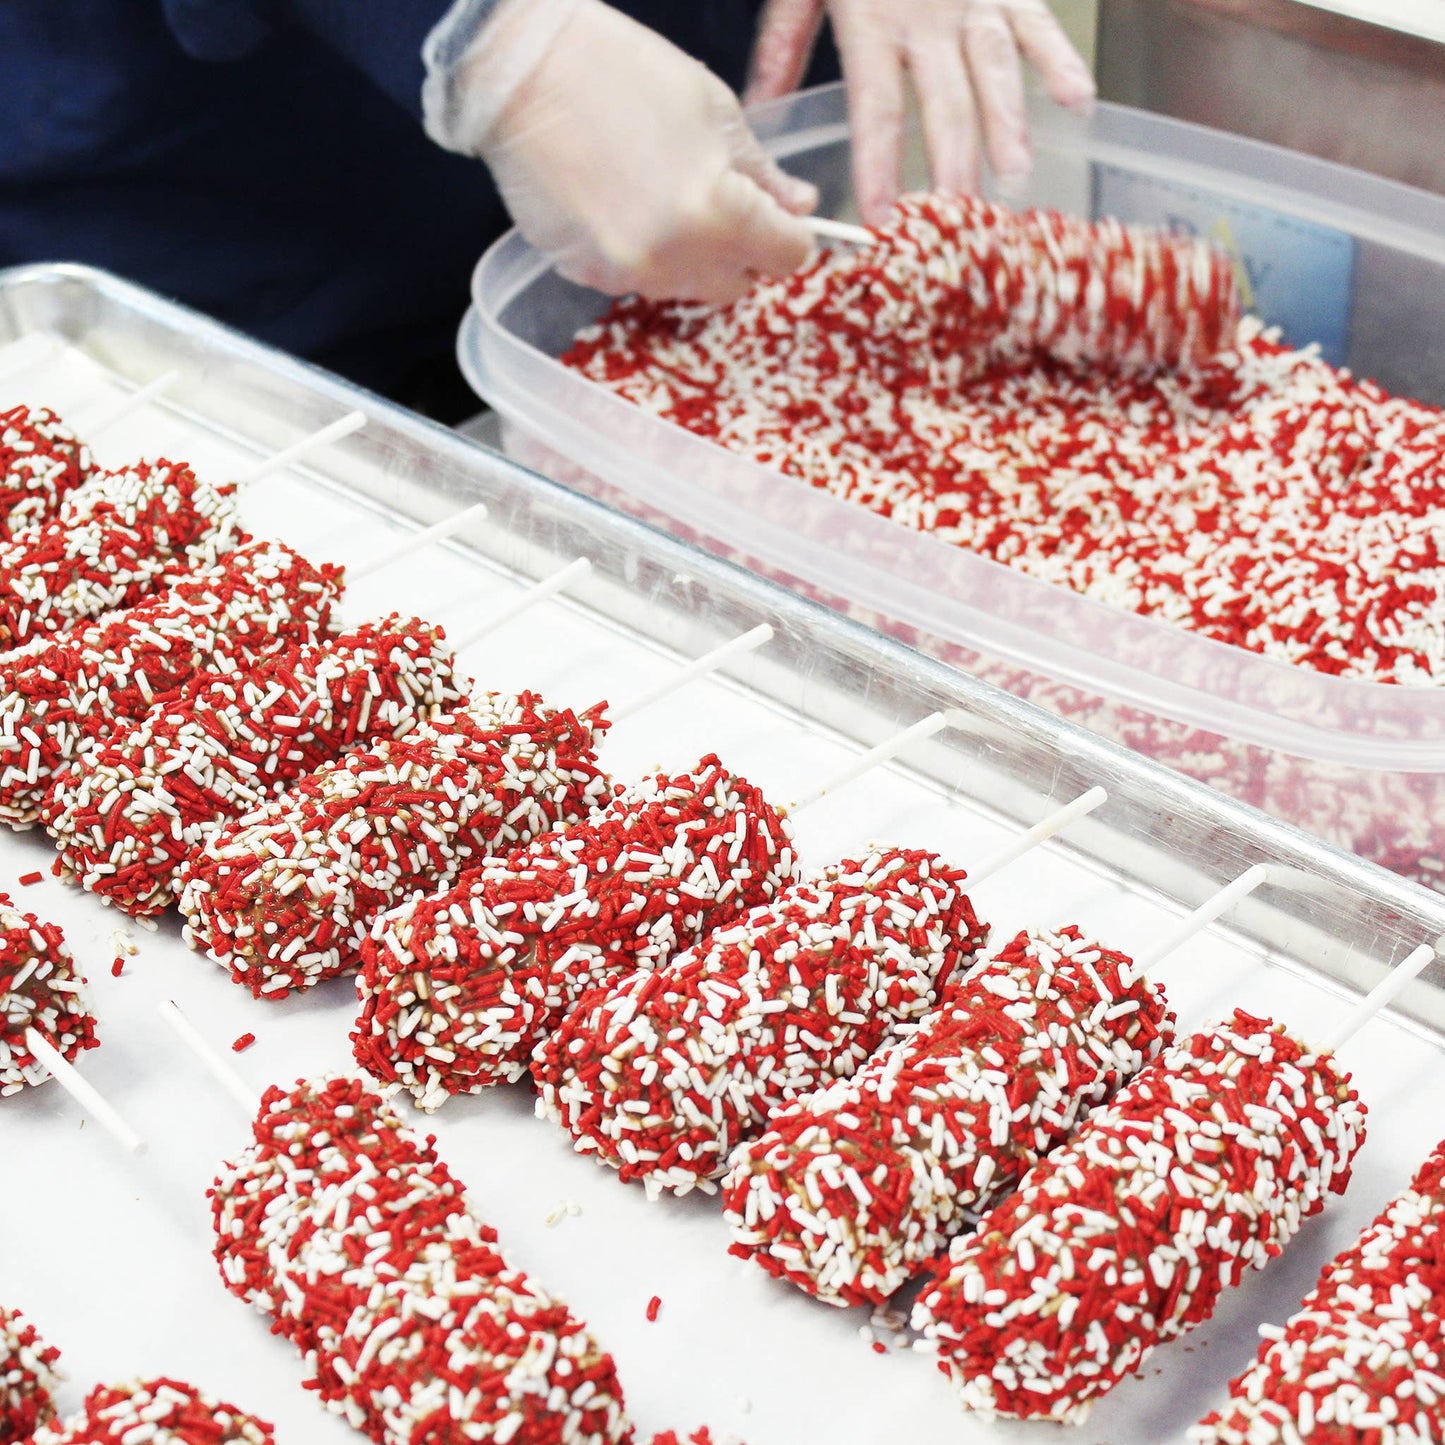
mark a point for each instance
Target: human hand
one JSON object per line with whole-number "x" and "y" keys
{"x": 964, "y": 60}
{"x": 628, "y": 163}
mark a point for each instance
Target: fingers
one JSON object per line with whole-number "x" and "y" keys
{"x": 716, "y": 247}
{"x": 873, "y": 66}
{"x": 752, "y": 236}
{"x": 792, "y": 193}
{"x": 787, "y": 32}
{"x": 945, "y": 104}
{"x": 998, "y": 84}
{"x": 1048, "y": 50}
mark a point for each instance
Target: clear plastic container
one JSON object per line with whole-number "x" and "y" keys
{"x": 1333, "y": 256}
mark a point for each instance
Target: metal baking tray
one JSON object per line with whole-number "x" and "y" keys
{"x": 110, "y": 1257}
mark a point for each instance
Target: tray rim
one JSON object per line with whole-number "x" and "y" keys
{"x": 1416, "y": 908}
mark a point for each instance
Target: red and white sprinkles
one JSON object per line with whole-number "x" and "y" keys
{"x": 41, "y": 462}
{"x": 852, "y": 1190}
{"x": 156, "y": 1412}
{"x": 1203, "y": 1167}
{"x": 285, "y": 896}
{"x": 1362, "y": 1361}
{"x": 941, "y": 378}
{"x": 120, "y": 536}
{"x": 28, "y": 1378}
{"x": 131, "y": 810}
{"x": 459, "y": 988}
{"x": 73, "y": 690}
{"x": 661, "y": 1076}
{"x": 41, "y": 990}
{"x": 359, "y": 1244}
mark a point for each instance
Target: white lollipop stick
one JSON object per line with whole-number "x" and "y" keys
{"x": 129, "y": 405}
{"x": 1202, "y": 917}
{"x": 342, "y": 427}
{"x": 209, "y": 1059}
{"x": 418, "y": 540}
{"x": 29, "y": 351}
{"x": 1380, "y": 997}
{"x": 538, "y": 592}
{"x": 68, "y": 1077}
{"x": 1040, "y": 833}
{"x": 698, "y": 667}
{"x": 839, "y": 231}
{"x": 874, "y": 757}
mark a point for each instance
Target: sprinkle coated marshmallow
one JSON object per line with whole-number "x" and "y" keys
{"x": 663, "y": 1074}
{"x": 72, "y": 691}
{"x": 360, "y": 1246}
{"x": 28, "y": 1378}
{"x": 41, "y": 990}
{"x": 41, "y": 463}
{"x": 1201, "y": 1169}
{"x": 132, "y": 810}
{"x": 122, "y": 535}
{"x": 458, "y": 989}
{"x": 851, "y": 1191}
{"x": 156, "y": 1412}
{"x": 285, "y": 896}
{"x": 1362, "y": 1361}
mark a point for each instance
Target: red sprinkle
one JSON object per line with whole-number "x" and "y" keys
{"x": 879, "y": 1348}
{"x": 244, "y": 1042}
{"x": 653, "y": 1306}
{"x": 26, "y": 879}
{"x": 117, "y": 968}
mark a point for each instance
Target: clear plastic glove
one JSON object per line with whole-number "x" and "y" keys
{"x": 626, "y": 162}
{"x": 964, "y": 59}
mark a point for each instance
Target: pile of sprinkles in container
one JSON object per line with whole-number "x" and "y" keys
{"x": 1041, "y": 390}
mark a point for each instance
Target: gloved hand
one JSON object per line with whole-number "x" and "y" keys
{"x": 626, "y": 162}
{"x": 963, "y": 59}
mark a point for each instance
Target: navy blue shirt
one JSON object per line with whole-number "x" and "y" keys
{"x": 263, "y": 160}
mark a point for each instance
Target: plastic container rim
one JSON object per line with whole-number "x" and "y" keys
{"x": 511, "y": 265}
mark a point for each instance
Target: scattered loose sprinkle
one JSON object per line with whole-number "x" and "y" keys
{"x": 117, "y": 967}
{"x": 244, "y": 1042}
{"x": 653, "y": 1306}
{"x": 26, "y": 879}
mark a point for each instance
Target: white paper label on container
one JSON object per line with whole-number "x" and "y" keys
{"x": 1295, "y": 274}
